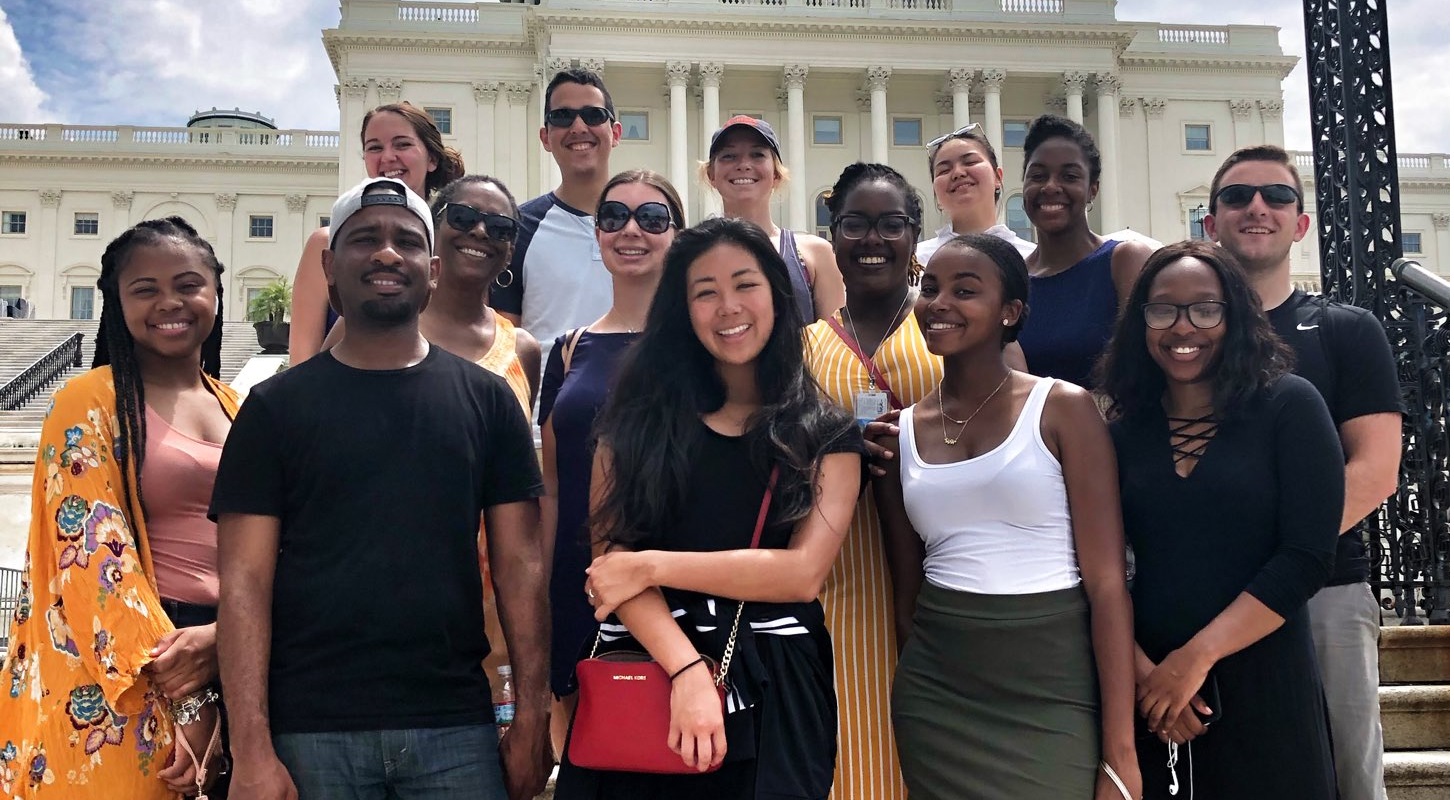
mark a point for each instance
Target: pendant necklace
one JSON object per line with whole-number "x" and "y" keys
{"x": 945, "y": 419}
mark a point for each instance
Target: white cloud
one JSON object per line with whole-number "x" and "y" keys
{"x": 154, "y": 62}
{"x": 25, "y": 102}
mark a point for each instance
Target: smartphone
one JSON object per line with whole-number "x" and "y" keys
{"x": 1212, "y": 696}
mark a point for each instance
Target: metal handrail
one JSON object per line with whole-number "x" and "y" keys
{"x": 1412, "y": 274}
{"x": 9, "y": 598}
{"x": 35, "y": 378}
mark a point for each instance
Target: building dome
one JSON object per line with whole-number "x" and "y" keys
{"x": 236, "y": 118}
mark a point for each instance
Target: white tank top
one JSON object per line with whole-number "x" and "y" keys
{"x": 998, "y": 523}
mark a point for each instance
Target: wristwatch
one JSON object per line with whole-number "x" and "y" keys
{"x": 189, "y": 709}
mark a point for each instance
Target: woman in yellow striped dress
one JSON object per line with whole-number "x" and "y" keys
{"x": 876, "y": 222}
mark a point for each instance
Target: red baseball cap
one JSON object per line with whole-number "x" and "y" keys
{"x": 742, "y": 120}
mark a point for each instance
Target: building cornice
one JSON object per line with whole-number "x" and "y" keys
{"x": 139, "y": 161}
{"x": 1279, "y": 67}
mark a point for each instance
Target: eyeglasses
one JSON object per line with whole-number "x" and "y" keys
{"x": 889, "y": 226}
{"x": 613, "y": 215}
{"x": 1238, "y": 195}
{"x": 938, "y": 140}
{"x": 1205, "y": 314}
{"x": 566, "y": 117}
{"x": 464, "y": 219}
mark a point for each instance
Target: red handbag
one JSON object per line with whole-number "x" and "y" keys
{"x": 624, "y": 712}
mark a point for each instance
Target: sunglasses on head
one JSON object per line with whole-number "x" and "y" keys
{"x": 464, "y": 219}
{"x": 938, "y": 140}
{"x": 1238, "y": 195}
{"x": 613, "y": 215}
{"x": 566, "y": 117}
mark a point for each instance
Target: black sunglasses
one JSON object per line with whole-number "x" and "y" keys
{"x": 1238, "y": 195}
{"x": 889, "y": 226}
{"x": 464, "y": 219}
{"x": 613, "y": 215}
{"x": 1163, "y": 316}
{"x": 566, "y": 117}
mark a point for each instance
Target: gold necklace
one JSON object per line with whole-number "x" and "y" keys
{"x": 945, "y": 419}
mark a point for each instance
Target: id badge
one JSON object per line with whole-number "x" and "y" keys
{"x": 869, "y": 405}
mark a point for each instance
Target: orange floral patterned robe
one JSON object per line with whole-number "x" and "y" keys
{"x": 78, "y": 718}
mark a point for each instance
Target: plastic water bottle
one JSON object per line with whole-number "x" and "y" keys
{"x": 505, "y": 700}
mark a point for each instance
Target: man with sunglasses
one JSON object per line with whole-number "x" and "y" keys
{"x": 1257, "y": 214}
{"x": 556, "y": 280}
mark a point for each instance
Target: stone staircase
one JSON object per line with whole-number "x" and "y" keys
{"x": 1413, "y": 667}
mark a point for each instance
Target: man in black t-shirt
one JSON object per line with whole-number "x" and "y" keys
{"x": 349, "y": 500}
{"x": 1257, "y": 214}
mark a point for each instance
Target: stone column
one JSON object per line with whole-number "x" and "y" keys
{"x": 299, "y": 229}
{"x": 677, "y": 74}
{"x": 486, "y": 94}
{"x": 960, "y": 79}
{"x": 350, "y": 150}
{"x": 1440, "y": 262}
{"x": 711, "y": 75}
{"x": 1271, "y": 121}
{"x": 226, "y": 228}
{"x": 992, "y": 80}
{"x": 518, "y": 132}
{"x": 1242, "y": 133}
{"x": 877, "y": 79}
{"x": 1108, "y": 118}
{"x": 795, "y": 76}
{"x": 1156, "y": 142}
{"x": 1074, "y": 83}
{"x": 121, "y": 220}
{"x": 389, "y": 90}
{"x": 46, "y": 235}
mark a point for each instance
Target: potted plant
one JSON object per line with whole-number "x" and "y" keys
{"x": 267, "y": 312}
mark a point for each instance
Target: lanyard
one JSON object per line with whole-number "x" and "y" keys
{"x": 874, "y": 375}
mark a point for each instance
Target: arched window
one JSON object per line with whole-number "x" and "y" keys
{"x": 822, "y": 219}
{"x": 1017, "y": 220}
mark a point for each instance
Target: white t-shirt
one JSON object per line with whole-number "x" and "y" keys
{"x": 928, "y": 247}
{"x": 559, "y": 281}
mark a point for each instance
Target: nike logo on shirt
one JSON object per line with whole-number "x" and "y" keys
{"x": 1303, "y": 326}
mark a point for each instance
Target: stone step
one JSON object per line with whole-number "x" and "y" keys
{"x": 1415, "y": 717}
{"x": 1414, "y": 654}
{"x": 1420, "y": 775}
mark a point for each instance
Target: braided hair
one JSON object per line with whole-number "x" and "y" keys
{"x": 861, "y": 172}
{"x": 116, "y": 347}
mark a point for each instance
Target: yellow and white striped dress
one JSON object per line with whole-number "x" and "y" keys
{"x": 858, "y": 598}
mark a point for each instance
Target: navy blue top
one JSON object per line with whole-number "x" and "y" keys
{"x": 798, "y": 275}
{"x": 571, "y": 402}
{"x": 1072, "y": 315}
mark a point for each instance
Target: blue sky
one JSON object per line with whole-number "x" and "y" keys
{"x": 154, "y": 62}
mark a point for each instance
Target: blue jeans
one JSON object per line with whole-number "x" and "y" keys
{"x": 461, "y": 763}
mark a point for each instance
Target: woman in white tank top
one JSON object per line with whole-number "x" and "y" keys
{"x": 1003, "y": 532}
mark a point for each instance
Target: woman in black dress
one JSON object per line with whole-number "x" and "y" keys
{"x": 711, "y": 400}
{"x": 1231, "y": 490}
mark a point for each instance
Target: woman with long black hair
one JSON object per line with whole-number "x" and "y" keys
{"x": 113, "y": 647}
{"x": 712, "y": 409}
{"x": 1232, "y": 492}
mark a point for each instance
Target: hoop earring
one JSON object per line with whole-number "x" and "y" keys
{"x": 1091, "y": 206}
{"x": 509, "y": 279}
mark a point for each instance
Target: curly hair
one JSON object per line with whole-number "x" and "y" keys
{"x": 1251, "y": 356}
{"x": 667, "y": 380}
{"x": 116, "y": 347}
{"x": 1049, "y": 126}
{"x": 449, "y": 164}
{"x": 860, "y": 172}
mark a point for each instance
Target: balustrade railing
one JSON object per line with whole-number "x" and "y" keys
{"x": 9, "y": 599}
{"x": 35, "y": 378}
{"x": 15, "y": 135}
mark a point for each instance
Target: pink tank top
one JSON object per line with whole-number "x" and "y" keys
{"x": 177, "y": 479}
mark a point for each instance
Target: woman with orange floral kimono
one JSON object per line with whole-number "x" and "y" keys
{"x": 97, "y": 671}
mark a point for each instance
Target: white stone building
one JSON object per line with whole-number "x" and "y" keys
{"x": 840, "y": 80}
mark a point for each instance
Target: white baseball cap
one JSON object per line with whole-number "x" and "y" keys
{"x": 378, "y": 192}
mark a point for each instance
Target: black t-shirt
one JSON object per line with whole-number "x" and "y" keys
{"x": 1343, "y": 351}
{"x": 380, "y": 479}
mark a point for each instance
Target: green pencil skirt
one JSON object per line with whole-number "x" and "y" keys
{"x": 996, "y": 697}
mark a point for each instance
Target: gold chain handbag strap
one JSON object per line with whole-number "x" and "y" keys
{"x": 731, "y": 648}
